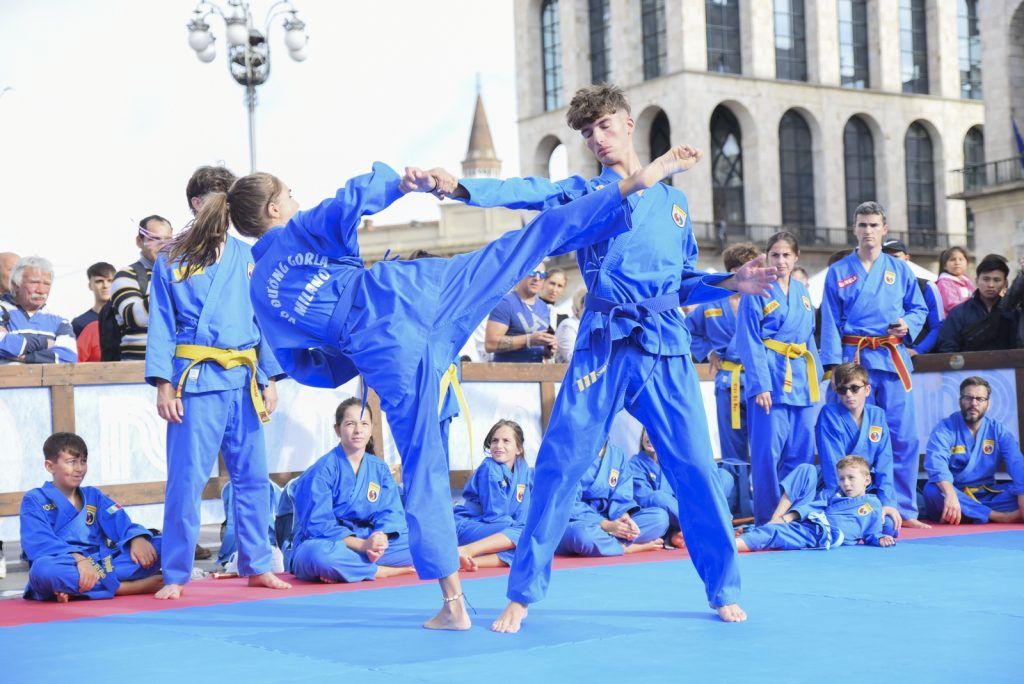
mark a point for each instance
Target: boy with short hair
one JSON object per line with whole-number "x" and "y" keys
{"x": 77, "y": 540}
{"x": 852, "y": 426}
{"x": 806, "y": 520}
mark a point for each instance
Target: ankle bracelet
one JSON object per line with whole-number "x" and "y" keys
{"x": 450, "y": 599}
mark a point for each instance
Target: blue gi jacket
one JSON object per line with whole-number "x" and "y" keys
{"x": 859, "y": 517}
{"x": 837, "y": 435}
{"x": 967, "y": 460}
{"x": 606, "y": 490}
{"x": 712, "y": 326}
{"x": 497, "y": 494}
{"x": 650, "y": 486}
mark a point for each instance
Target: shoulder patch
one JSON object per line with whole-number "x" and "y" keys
{"x": 373, "y": 492}
{"x": 712, "y": 313}
{"x": 846, "y": 282}
{"x": 988, "y": 446}
{"x": 90, "y": 514}
{"x": 679, "y": 216}
{"x": 250, "y": 269}
{"x": 520, "y": 492}
{"x": 807, "y": 301}
{"x": 890, "y": 277}
{"x": 875, "y": 433}
{"x": 613, "y": 477}
{"x": 770, "y": 306}
{"x": 865, "y": 509}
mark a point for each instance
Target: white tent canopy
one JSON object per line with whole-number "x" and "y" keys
{"x": 816, "y": 284}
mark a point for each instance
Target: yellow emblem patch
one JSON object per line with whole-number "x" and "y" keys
{"x": 890, "y": 277}
{"x": 770, "y": 306}
{"x": 250, "y": 269}
{"x": 712, "y": 313}
{"x": 520, "y": 492}
{"x": 179, "y": 273}
{"x": 679, "y": 216}
{"x": 613, "y": 478}
{"x": 988, "y": 446}
{"x": 806, "y": 301}
{"x": 373, "y": 492}
{"x": 958, "y": 449}
{"x": 865, "y": 509}
{"x": 875, "y": 433}
{"x": 90, "y": 514}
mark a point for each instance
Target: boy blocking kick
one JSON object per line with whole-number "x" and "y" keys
{"x": 399, "y": 323}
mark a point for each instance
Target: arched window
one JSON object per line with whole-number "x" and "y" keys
{"x": 969, "y": 48}
{"x": 600, "y": 41}
{"x": 661, "y": 137}
{"x": 655, "y": 44}
{"x": 974, "y": 159}
{"x": 853, "y": 44}
{"x": 920, "y": 187}
{"x": 551, "y": 54}
{"x": 859, "y": 165}
{"x": 790, "y": 40}
{"x": 723, "y": 29}
{"x": 914, "y": 46}
{"x": 796, "y": 174}
{"x": 727, "y": 168}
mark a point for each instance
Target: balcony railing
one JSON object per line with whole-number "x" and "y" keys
{"x": 980, "y": 177}
{"x": 723, "y": 234}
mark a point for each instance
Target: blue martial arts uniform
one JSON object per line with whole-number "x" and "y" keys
{"x": 783, "y": 438}
{"x": 857, "y": 309}
{"x": 229, "y": 539}
{"x": 333, "y": 502}
{"x": 827, "y": 519}
{"x": 496, "y": 499}
{"x": 838, "y": 435}
{"x": 652, "y": 490}
{"x": 969, "y": 461}
{"x": 606, "y": 493}
{"x": 52, "y": 529}
{"x": 633, "y": 352}
{"x": 211, "y": 309}
{"x": 400, "y": 323}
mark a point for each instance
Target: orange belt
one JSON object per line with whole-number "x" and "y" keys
{"x": 890, "y": 342}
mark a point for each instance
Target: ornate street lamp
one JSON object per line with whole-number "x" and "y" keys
{"x": 248, "y": 49}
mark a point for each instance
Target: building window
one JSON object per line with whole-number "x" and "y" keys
{"x": 853, "y": 44}
{"x": 970, "y": 49}
{"x": 723, "y": 28}
{"x": 600, "y": 41}
{"x": 551, "y": 55}
{"x": 914, "y": 46}
{"x": 859, "y": 165}
{"x": 790, "y": 40}
{"x": 727, "y": 168}
{"x": 661, "y": 136}
{"x": 796, "y": 174}
{"x": 974, "y": 159}
{"x": 920, "y": 187}
{"x": 655, "y": 44}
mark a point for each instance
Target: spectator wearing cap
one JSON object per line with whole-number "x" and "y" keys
{"x": 929, "y": 335}
{"x": 955, "y": 286}
{"x": 980, "y": 324}
{"x": 518, "y": 329}
{"x": 27, "y": 333}
{"x": 130, "y": 301}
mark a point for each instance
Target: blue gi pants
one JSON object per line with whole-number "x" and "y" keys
{"x": 224, "y": 422}
{"x": 779, "y": 442}
{"x": 52, "y": 574}
{"x": 586, "y": 538}
{"x": 974, "y": 510}
{"x": 470, "y": 531}
{"x": 331, "y": 559}
{"x": 735, "y": 462}
{"x": 801, "y": 486}
{"x": 887, "y": 392}
{"x": 669, "y": 406}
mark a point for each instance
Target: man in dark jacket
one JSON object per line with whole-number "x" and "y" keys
{"x": 980, "y": 324}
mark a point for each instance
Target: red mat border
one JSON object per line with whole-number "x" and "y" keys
{"x": 17, "y": 612}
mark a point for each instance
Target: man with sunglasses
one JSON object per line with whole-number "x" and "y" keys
{"x": 962, "y": 457}
{"x": 852, "y": 426}
{"x": 518, "y": 328}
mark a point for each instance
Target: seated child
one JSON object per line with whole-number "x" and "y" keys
{"x": 852, "y": 426}
{"x": 228, "y": 554}
{"x": 349, "y": 521}
{"x": 806, "y": 520}
{"x": 651, "y": 488}
{"x": 79, "y": 542}
{"x": 605, "y": 519}
{"x": 497, "y": 497}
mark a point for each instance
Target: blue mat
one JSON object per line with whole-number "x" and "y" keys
{"x": 938, "y": 610}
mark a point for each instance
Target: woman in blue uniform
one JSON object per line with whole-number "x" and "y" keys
{"x": 651, "y": 488}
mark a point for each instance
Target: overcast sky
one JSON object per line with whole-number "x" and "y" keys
{"x": 110, "y": 111}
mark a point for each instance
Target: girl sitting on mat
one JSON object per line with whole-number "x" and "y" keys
{"x": 652, "y": 490}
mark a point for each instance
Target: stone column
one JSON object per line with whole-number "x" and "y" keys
{"x": 884, "y": 45}
{"x": 695, "y": 40}
{"x": 757, "y": 37}
{"x": 822, "y": 43}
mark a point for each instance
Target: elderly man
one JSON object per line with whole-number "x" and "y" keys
{"x": 7, "y": 262}
{"x": 27, "y": 333}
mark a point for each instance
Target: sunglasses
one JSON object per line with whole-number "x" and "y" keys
{"x": 538, "y": 274}
{"x": 849, "y": 389}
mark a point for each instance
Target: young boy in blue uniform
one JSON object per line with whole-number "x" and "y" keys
{"x": 806, "y": 519}
{"x": 712, "y": 326}
{"x": 872, "y": 304}
{"x": 633, "y": 352}
{"x": 349, "y": 522}
{"x": 961, "y": 459}
{"x": 605, "y": 519}
{"x": 78, "y": 541}
{"x": 852, "y": 426}
{"x": 399, "y": 323}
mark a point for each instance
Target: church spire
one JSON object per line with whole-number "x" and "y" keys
{"x": 481, "y": 160}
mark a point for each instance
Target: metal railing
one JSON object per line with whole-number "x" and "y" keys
{"x": 722, "y": 234}
{"x": 978, "y": 177}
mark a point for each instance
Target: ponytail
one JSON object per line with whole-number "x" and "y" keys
{"x": 197, "y": 247}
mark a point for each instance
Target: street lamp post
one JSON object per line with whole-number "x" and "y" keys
{"x": 248, "y": 48}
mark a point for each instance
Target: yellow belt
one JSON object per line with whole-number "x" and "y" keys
{"x": 227, "y": 359}
{"x": 734, "y": 370}
{"x": 973, "y": 491}
{"x": 451, "y": 379}
{"x": 793, "y": 350}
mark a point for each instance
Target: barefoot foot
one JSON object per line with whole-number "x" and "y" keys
{"x": 170, "y": 592}
{"x": 467, "y": 564}
{"x": 915, "y": 523}
{"x": 677, "y": 540}
{"x": 146, "y": 585}
{"x": 731, "y": 613}
{"x": 268, "y": 580}
{"x": 511, "y": 619}
{"x": 62, "y": 597}
{"x": 646, "y": 546}
{"x": 452, "y": 616}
